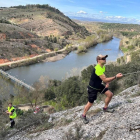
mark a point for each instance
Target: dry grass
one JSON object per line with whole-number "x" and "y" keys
{"x": 94, "y": 112}
{"x": 62, "y": 122}
{"x": 136, "y": 94}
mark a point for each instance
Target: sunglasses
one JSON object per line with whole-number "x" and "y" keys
{"x": 102, "y": 58}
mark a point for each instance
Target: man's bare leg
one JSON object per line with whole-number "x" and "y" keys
{"x": 83, "y": 116}
{"x": 108, "y": 98}
{"x": 87, "y": 107}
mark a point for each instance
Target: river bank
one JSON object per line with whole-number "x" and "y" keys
{"x": 55, "y": 58}
{"x": 47, "y": 57}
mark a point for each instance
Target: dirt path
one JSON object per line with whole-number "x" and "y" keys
{"x": 27, "y": 59}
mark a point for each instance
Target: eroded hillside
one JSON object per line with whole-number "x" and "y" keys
{"x": 42, "y": 20}
{"x": 27, "y": 31}
{"x": 17, "y": 43}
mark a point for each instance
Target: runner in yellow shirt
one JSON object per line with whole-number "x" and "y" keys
{"x": 12, "y": 114}
{"x": 95, "y": 86}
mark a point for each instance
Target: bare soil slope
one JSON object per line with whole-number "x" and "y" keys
{"x": 43, "y": 21}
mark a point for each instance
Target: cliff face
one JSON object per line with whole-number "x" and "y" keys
{"x": 123, "y": 124}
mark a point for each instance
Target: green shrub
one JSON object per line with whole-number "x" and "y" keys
{"x": 86, "y": 73}
{"x": 19, "y": 112}
{"x": 81, "y": 49}
{"x": 56, "y": 49}
{"x": 49, "y": 94}
{"x": 124, "y": 49}
{"x": 71, "y": 92}
{"x": 131, "y": 47}
{"x": 135, "y": 56}
{"x": 118, "y": 60}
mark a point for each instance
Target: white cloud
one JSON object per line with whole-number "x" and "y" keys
{"x": 81, "y": 12}
{"x": 103, "y": 17}
{"x": 119, "y": 17}
{"x": 115, "y": 17}
{"x": 102, "y": 12}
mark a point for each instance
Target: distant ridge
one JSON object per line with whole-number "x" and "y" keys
{"x": 96, "y": 20}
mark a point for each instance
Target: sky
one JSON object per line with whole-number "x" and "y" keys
{"x": 119, "y": 11}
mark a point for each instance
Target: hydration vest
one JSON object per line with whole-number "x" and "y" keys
{"x": 13, "y": 114}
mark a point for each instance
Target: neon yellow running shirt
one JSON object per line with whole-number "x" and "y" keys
{"x": 95, "y": 80}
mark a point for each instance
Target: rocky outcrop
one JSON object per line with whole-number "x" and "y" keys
{"x": 2, "y": 36}
{"x": 123, "y": 124}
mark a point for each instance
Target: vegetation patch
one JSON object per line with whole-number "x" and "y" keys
{"x": 62, "y": 122}
{"x": 136, "y": 94}
{"x": 94, "y": 112}
{"x": 129, "y": 101}
{"x": 81, "y": 49}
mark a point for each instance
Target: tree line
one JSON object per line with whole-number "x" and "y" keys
{"x": 44, "y": 6}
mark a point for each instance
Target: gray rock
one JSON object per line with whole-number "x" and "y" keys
{"x": 123, "y": 124}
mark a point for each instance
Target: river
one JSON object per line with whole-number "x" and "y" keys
{"x": 59, "y": 69}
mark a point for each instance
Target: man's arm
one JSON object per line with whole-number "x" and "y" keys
{"x": 10, "y": 113}
{"x": 107, "y": 85}
{"x": 106, "y": 80}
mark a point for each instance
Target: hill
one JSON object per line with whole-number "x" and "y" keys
{"x": 44, "y": 20}
{"x": 16, "y": 42}
{"x": 66, "y": 125}
{"x": 27, "y": 31}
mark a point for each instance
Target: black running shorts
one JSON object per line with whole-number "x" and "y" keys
{"x": 92, "y": 93}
